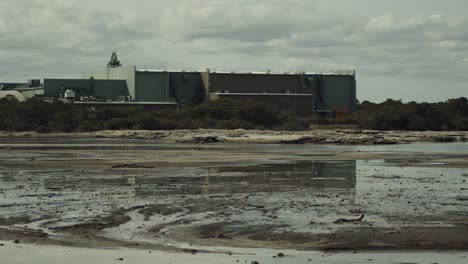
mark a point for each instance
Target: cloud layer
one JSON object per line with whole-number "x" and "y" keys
{"x": 52, "y": 38}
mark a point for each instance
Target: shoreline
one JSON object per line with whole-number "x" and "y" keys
{"x": 240, "y": 136}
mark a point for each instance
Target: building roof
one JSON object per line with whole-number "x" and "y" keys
{"x": 174, "y": 71}
{"x": 337, "y": 72}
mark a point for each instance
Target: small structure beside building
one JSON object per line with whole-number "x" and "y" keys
{"x": 13, "y": 94}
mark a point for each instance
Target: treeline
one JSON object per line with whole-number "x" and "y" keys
{"x": 43, "y": 117}
{"x": 36, "y": 115}
{"x": 395, "y": 115}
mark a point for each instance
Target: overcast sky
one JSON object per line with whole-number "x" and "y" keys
{"x": 401, "y": 49}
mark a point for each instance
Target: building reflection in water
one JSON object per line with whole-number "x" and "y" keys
{"x": 311, "y": 175}
{"x": 316, "y": 175}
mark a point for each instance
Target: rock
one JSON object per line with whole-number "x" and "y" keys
{"x": 254, "y": 262}
{"x": 16, "y": 241}
{"x": 280, "y": 255}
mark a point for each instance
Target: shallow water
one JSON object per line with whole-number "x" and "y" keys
{"x": 139, "y": 144}
{"x": 283, "y": 190}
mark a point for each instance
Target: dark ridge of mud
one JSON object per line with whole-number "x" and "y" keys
{"x": 161, "y": 209}
{"x": 115, "y": 219}
{"x": 359, "y": 238}
{"x": 25, "y": 235}
{"x": 21, "y": 220}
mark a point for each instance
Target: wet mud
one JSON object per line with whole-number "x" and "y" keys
{"x": 141, "y": 194}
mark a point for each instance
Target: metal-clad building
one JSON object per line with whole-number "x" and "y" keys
{"x": 186, "y": 87}
{"x": 155, "y": 85}
{"x": 10, "y": 86}
{"x": 299, "y": 104}
{"x": 121, "y": 73}
{"x": 151, "y": 86}
{"x": 333, "y": 92}
{"x": 254, "y": 83}
{"x": 105, "y": 89}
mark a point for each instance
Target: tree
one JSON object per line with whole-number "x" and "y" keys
{"x": 114, "y": 61}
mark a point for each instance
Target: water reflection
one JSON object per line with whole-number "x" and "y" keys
{"x": 314, "y": 175}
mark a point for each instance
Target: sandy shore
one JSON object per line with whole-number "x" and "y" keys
{"x": 337, "y": 136}
{"x": 20, "y": 253}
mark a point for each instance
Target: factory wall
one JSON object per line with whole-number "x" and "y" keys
{"x": 7, "y": 86}
{"x": 255, "y": 83}
{"x": 332, "y": 92}
{"x": 205, "y": 76}
{"x": 151, "y": 86}
{"x": 105, "y": 89}
{"x": 121, "y": 73}
{"x": 300, "y": 104}
{"x": 340, "y": 92}
{"x": 186, "y": 87}
{"x": 314, "y": 84}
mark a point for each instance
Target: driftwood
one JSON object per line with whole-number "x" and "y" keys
{"x": 343, "y": 220}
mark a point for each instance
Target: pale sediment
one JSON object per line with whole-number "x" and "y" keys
{"x": 337, "y": 136}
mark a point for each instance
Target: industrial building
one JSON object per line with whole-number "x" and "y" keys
{"x": 155, "y": 85}
{"x": 305, "y": 94}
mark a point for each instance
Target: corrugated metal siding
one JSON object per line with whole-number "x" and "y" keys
{"x": 186, "y": 88}
{"x": 340, "y": 92}
{"x": 302, "y": 105}
{"x": 152, "y": 87}
{"x": 121, "y": 73}
{"x": 255, "y": 83}
{"x": 106, "y": 89}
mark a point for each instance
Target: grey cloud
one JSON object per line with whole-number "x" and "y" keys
{"x": 54, "y": 36}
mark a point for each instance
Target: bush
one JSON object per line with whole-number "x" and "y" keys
{"x": 42, "y": 129}
{"x": 234, "y": 124}
{"x": 118, "y": 123}
{"x": 34, "y": 115}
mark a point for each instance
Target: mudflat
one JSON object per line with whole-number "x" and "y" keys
{"x": 154, "y": 194}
